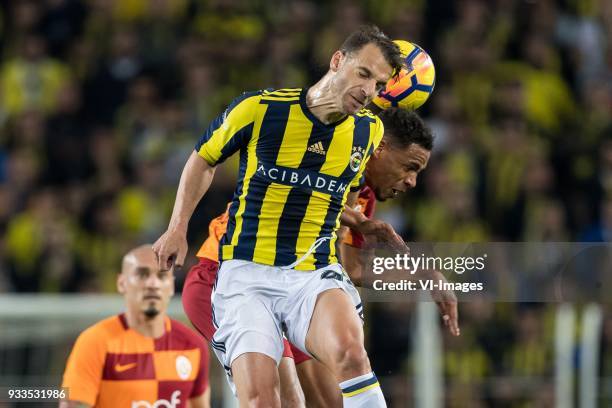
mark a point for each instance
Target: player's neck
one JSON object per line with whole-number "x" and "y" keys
{"x": 322, "y": 101}
{"x": 147, "y": 327}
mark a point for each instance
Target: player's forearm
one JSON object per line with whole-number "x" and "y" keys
{"x": 195, "y": 180}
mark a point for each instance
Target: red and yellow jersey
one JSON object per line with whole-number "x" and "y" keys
{"x": 367, "y": 205}
{"x": 114, "y": 366}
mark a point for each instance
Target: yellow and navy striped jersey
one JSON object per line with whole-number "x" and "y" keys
{"x": 294, "y": 177}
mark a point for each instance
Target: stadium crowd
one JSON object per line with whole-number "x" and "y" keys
{"x": 101, "y": 102}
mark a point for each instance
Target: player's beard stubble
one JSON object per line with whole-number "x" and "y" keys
{"x": 151, "y": 311}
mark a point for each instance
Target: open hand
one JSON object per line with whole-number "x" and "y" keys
{"x": 447, "y": 304}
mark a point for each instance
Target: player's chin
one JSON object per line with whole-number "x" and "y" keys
{"x": 351, "y": 105}
{"x": 350, "y": 110}
{"x": 380, "y": 196}
{"x": 151, "y": 310}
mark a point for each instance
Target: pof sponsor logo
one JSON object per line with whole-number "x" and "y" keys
{"x": 161, "y": 403}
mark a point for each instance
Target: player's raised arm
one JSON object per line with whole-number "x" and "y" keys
{"x": 227, "y": 134}
{"x": 197, "y": 176}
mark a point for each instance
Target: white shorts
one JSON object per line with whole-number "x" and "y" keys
{"x": 254, "y": 304}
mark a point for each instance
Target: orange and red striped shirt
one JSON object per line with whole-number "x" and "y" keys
{"x": 112, "y": 365}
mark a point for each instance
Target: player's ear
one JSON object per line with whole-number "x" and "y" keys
{"x": 334, "y": 64}
{"x": 380, "y": 148}
{"x": 121, "y": 283}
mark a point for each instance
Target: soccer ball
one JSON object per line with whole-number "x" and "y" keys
{"x": 413, "y": 85}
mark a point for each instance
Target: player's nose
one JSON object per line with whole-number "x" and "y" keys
{"x": 369, "y": 89}
{"x": 153, "y": 281}
{"x": 410, "y": 180}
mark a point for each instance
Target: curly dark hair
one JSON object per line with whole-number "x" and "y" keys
{"x": 404, "y": 127}
{"x": 367, "y": 34}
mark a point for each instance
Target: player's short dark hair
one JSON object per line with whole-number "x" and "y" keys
{"x": 371, "y": 34}
{"x": 404, "y": 127}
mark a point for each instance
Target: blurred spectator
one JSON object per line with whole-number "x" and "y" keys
{"x": 61, "y": 23}
{"x": 31, "y": 80}
{"x": 161, "y": 29}
{"x": 22, "y": 18}
{"x": 103, "y": 241}
{"x": 107, "y": 158}
{"x": 347, "y": 16}
{"x": 22, "y": 174}
{"x": 105, "y": 91}
{"x": 66, "y": 140}
{"x": 144, "y": 208}
{"x": 40, "y": 247}
{"x": 137, "y": 120}
{"x": 199, "y": 95}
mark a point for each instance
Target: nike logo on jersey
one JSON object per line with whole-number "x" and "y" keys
{"x": 124, "y": 367}
{"x": 317, "y": 148}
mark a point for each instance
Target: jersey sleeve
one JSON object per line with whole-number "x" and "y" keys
{"x": 229, "y": 131}
{"x": 367, "y": 205}
{"x": 84, "y": 367}
{"x": 201, "y": 382}
{"x": 216, "y": 229}
{"x": 377, "y": 135}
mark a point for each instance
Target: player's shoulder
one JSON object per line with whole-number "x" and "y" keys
{"x": 182, "y": 337}
{"x": 368, "y": 115}
{"x": 241, "y": 106}
{"x": 101, "y": 332}
{"x": 246, "y": 97}
{"x": 291, "y": 95}
{"x": 266, "y": 96}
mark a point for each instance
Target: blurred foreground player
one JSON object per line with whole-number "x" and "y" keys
{"x": 140, "y": 358}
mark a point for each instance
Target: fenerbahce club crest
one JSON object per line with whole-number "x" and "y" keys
{"x": 356, "y": 158}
